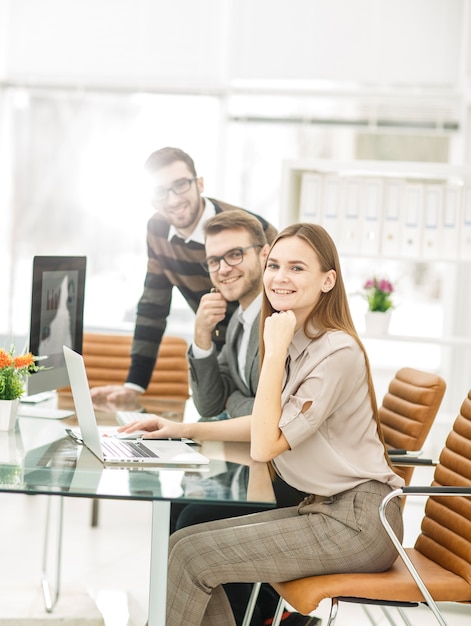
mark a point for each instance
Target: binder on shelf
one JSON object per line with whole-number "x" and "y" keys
{"x": 371, "y": 231}
{"x": 391, "y": 226}
{"x": 432, "y": 214}
{"x": 331, "y": 199}
{"x": 465, "y": 226}
{"x": 350, "y": 226}
{"x": 311, "y": 198}
{"x": 412, "y": 220}
{"x": 450, "y": 222}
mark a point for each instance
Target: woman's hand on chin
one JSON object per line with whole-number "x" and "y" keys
{"x": 279, "y": 330}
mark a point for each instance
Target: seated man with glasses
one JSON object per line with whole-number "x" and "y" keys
{"x": 224, "y": 384}
{"x": 175, "y": 246}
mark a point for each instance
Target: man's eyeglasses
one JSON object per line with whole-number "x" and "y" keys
{"x": 160, "y": 194}
{"x": 233, "y": 257}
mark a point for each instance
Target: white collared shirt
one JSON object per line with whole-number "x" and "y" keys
{"x": 198, "y": 234}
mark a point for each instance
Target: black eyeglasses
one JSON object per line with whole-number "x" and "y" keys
{"x": 179, "y": 186}
{"x": 233, "y": 257}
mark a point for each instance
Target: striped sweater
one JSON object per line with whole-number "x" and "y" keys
{"x": 171, "y": 264}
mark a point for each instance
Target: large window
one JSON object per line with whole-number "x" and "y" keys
{"x": 77, "y": 187}
{"x": 74, "y": 167}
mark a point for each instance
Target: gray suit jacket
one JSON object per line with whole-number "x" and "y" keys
{"x": 215, "y": 380}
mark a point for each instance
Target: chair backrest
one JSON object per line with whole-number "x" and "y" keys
{"x": 107, "y": 359}
{"x": 408, "y": 410}
{"x": 446, "y": 526}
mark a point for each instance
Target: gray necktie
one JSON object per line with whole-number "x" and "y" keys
{"x": 241, "y": 356}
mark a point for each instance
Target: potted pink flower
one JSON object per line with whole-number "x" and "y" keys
{"x": 378, "y": 292}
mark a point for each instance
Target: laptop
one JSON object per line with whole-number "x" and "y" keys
{"x": 112, "y": 450}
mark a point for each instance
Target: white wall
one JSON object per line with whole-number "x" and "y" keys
{"x": 376, "y": 42}
{"x": 209, "y": 43}
{"x": 114, "y": 42}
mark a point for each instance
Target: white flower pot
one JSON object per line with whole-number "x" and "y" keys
{"x": 8, "y": 414}
{"x": 377, "y": 322}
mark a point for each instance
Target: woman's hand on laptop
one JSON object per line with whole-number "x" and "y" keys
{"x": 156, "y": 427}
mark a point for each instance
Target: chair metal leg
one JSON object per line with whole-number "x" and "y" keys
{"x": 388, "y": 615}
{"x": 429, "y": 601}
{"x": 369, "y": 615}
{"x": 334, "y": 609}
{"x": 49, "y": 601}
{"x": 281, "y": 607}
{"x": 279, "y": 612}
{"x": 251, "y": 604}
{"x": 402, "y": 613}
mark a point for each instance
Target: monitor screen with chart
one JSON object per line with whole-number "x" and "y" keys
{"x": 57, "y": 303}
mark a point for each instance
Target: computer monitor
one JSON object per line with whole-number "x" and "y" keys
{"x": 57, "y": 301}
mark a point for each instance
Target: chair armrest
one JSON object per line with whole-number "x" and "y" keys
{"x": 403, "y": 452}
{"x": 437, "y": 491}
{"x": 417, "y": 491}
{"x": 410, "y": 460}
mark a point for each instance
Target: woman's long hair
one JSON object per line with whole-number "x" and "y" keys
{"x": 332, "y": 311}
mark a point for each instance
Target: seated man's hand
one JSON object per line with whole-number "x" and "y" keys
{"x": 115, "y": 396}
{"x": 211, "y": 310}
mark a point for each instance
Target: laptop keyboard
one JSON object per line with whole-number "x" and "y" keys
{"x": 126, "y": 449}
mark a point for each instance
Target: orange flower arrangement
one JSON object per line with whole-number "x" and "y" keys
{"x": 13, "y": 372}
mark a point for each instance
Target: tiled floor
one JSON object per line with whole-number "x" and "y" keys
{"x": 111, "y": 562}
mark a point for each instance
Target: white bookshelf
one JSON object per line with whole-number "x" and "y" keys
{"x": 419, "y": 212}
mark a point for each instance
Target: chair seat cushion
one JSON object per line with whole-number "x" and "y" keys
{"x": 396, "y": 583}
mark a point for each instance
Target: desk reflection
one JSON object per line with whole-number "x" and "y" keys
{"x": 62, "y": 466}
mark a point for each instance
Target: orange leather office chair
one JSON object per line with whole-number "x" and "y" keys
{"x": 107, "y": 360}
{"x": 407, "y": 413}
{"x": 437, "y": 568}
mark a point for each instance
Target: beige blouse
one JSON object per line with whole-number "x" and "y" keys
{"x": 334, "y": 444}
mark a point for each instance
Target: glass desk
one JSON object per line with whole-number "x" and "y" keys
{"x": 39, "y": 458}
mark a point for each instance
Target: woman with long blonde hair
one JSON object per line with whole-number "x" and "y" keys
{"x": 315, "y": 420}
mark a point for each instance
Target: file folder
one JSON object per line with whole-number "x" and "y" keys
{"x": 450, "y": 224}
{"x": 412, "y": 219}
{"x": 391, "y": 227}
{"x": 433, "y": 205}
{"x": 311, "y": 198}
{"x": 465, "y": 226}
{"x": 331, "y": 198}
{"x": 350, "y": 226}
{"x": 371, "y": 230}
